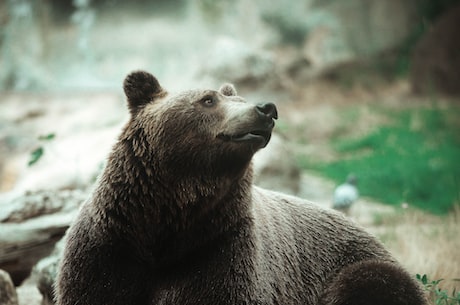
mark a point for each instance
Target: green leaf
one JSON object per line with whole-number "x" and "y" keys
{"x": 47, "y": 137}
{"x": 35, "y": 156}
{"x": 424, "y": 279}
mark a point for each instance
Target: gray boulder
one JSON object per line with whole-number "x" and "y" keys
{"x": 330, "y": 33}
{"x": 45, "y": 273}
{"x": 231, "y": 60}
{"x": 8, "y": 295}
{"x": 31, "y": 225}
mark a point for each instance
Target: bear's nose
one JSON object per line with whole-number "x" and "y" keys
{"x": 267, "y": 110}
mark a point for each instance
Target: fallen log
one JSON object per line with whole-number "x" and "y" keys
{"x": 23, "y": 244}
{"x": 30, "y": 225}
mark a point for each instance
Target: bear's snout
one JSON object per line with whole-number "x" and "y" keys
{"x": 267, "y": 110}
{"x": 250, "y": 124}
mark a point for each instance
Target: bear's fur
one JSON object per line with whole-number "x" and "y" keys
{"x": 175, "y": 219}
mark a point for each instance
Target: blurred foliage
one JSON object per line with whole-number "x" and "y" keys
{"x": 437, "y": 295}
{"x": 413, "y": 159}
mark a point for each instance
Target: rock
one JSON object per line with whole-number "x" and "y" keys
{"x": 38, "y": 55}
{"x": 28, "y": 293}
{"x": 373, "y": 26}
{"x": 33, "y": 232}
{"x": 45, "y": 273}
{"x": 436, "y": 58}
{"x": 335, "y": 32}
{"x": 234, "y": 61}
{"x": 39, "y": 203}
{"x": 275, "y": 167}
{"x": 23, "y": 244}
{"x": 8, "y": 295}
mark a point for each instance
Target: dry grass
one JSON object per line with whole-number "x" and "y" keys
{"x": 424, "y": 244}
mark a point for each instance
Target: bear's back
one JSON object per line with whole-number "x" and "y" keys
{"x": 302, "y": 245}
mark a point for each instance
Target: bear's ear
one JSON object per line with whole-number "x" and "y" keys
{"x": 228, "y": 90}
{"x": 141, "y": 88}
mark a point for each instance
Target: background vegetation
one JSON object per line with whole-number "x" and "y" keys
{"x": 414, "y": 158}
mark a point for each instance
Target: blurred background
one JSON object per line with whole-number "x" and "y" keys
{"x": 364, "y": 88}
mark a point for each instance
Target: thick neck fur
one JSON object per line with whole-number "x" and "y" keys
{"x": 167, "y": 210}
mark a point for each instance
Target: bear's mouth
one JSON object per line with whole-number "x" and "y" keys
{"x": 259, "y": 136}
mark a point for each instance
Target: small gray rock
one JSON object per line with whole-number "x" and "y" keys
{"x": 45, "y": 272}
{"x": 8, "y": 295}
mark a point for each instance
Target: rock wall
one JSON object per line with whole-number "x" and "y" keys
{"x": 331, "y": 32}
{"x": 436, "y": 59}
{"x": 44, "y": 46}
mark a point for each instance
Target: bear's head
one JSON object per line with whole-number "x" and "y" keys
{"x": 196, "y": 131}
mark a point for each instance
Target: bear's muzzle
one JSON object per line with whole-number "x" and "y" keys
{"x": 258, "y": 131}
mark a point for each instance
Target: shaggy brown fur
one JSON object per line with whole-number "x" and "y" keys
{"x": 175, "y": 219}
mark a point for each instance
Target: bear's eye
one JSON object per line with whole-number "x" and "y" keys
{"x": 208, "y": 101}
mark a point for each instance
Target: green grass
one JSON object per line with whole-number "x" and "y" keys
{"x": 413, "y": 159}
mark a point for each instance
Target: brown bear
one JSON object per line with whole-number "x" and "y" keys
{"x": 175, "y": 219}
